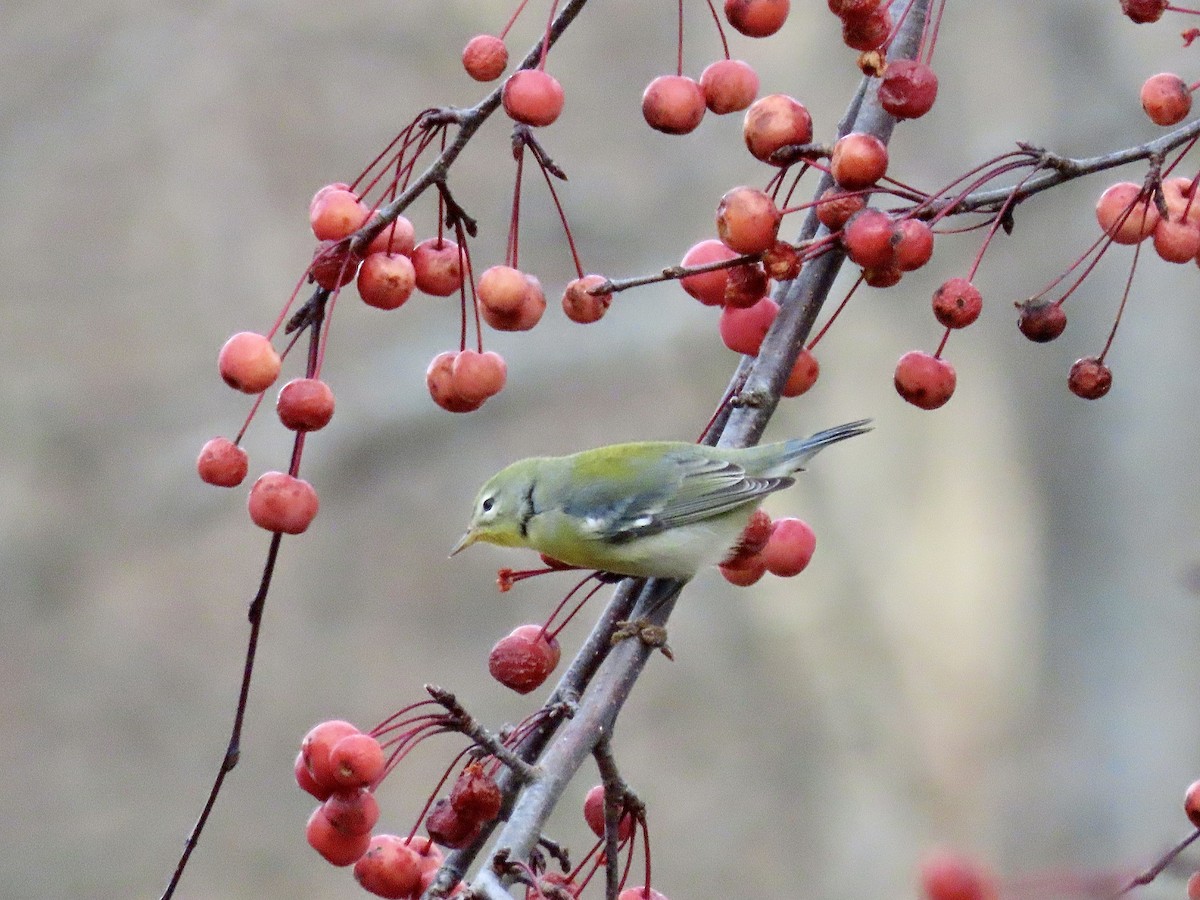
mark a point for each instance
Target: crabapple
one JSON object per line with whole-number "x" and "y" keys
{"x": 924, "y": 381}
{"x": 789, "y": 548}
{"x": 437, "y": 267}
{"x": 1042, "y": 322}
{"x": 439, "y": 379}
{"x": 527, "y": 313}
{"x": 305, "y": 404}
{"x": 1191, "y": 803}
{"x": 757, "y": 18}
{"x": 532, "y": 97}
{"x": 485, "y": 57}
{"x": 858, "y": 160}
{"x": 389, "y": 868}
{"x": 729, "y": 85}
{"x": 743, "y": 330}
{"x": 781, "y": 261}
{"x": 222, "y": 463}
{"x": 386, "y": 280}
{"x": 748, "y": 220}
{"x": 475, "y": 794}
{"x": 582, "y": 306}
{"x": 707, "y": 287}
{"x": 835, "y": 207}
{"x": 593, "y": 814}
{"x": 869, "y": 238}
{"x": 524, "y": 659}
{"x": 775, "y": 121}
{"x": 948, "y": 876}
{"x": 957, "y": 303}
{"x": 908, "y": 89}
{"x": 356, "y": 761}
{"x": 673, "y": 104}
{"x": 1166, "y": 99}
{"x": 744, "y": 571}
{"x": 282, "y": 503}
{"x": 913, "y": 244}
{"x": 1089, "y": 378}
{"x": 248, "y": 362}
{"x": 477, "y": 376}
{"x": 1144, "y": 11}
{"x": 317, "y": 746}
{"x": 398, "y": 237}
{"x": 352, "y": 812}
{"x": 803, "y": 375}
{"x": 336, "y": 214}
{"x": 868, "y": 31}
{"x": 746, "y": 286}
{"x": 334, "y": 264}
{"x": 1111, "y": 209}
{"x": 1176, "y": 241}
{"x": 307, "y": 783}
{"x": 450, "y": 828}
{"x": 337, "y": 848}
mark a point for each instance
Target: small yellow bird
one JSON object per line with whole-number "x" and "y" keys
{"x": 651, "y": 509}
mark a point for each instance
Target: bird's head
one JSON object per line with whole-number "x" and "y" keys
{"x": 502, "y": 508}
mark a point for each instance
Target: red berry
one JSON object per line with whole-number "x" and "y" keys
{"x": 1191, "y": 803}
{"x": 957, "y": 303}
{"x": 335, "y": 214}
{"x": 389, "y": 868}
{"x": 743, "y": 330}
{"x": 1176, "y": 241}
{"x": 532, "y": 97}
{"x": 386, "y": 280}
{"x": 745, "y": 571}
{"x": 1089, "y": 378}
{"x": 835, "y": 207}
{"x": 757, "y": 18}
{"x": 913, "y": 244}
{"x": 352, "y": 812}
{"x": 356, "y": 761}
{"x": 524, "y": 659}
{"x": 323, "y": 191}
{"x": 280, "y": 502}
{"x": 306, "y": 782}
{"x": 748, "y": 220}
{"x": 641, "y": 893}
{"x": 477, "y": 376}
{"x": 1182, "y": 202}
{"x": 858, "y": 160}
{"x": 1110, "y": 213}
{"x": 593, "y": 814}
{"x": 673, "y": 104}
{"x": 501, "y": 289}
{"x": 747, "y": 285}
{"x": 1193, "y": 886}
{"x": 775, "y": 121}
{"x": 789, "y": 548}
{"x": 1042, "y": 322}
{"x": 707, "y": 287}
{"x": 850, "y": 8}
{"x": 584, "y": 307}
{"x": 437, "y": 267}
{"x": 305, "y": 404}
{"x": 949, "y": 876}
{"x": 908, "y": 89}
{"x": 333, "y": 265}
{"x": 729, "y": 85}
{"x": 1144, "y": 11}
{"x": 870, "y": 239}
{"x": 318, "y": 744}
{"x": 781, "y": 261}
{"x": 924, "y": 381}
{"x": 485, "y": 57}
{"x": 526, "y": 314}
{"x": 449, "y": 828}
{"x": 398, "y": 237}
{"x": 248, "y": 362}
{"x": 868, "y": 31}
{"x": 882, "y": 276}
{"x": 475, "y": 794}
{"x": 803, "y": 376}
{"x": 337, "y": 848}
{"x": 222, "y": 462}
{"x": 1166, "y": 99}
{"x": 439, "y": 379}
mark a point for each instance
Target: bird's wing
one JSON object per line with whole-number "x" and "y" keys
{"x": 680, "y": 488}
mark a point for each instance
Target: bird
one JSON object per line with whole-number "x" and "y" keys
{"x": 662, "y": 509}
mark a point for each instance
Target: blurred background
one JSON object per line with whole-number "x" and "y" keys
{"x": 995, "y": 647}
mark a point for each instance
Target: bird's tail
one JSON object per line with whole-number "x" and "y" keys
{"x": 800, "y": 450}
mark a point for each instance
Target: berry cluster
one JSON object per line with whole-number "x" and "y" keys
{"x": 782, "y": 547}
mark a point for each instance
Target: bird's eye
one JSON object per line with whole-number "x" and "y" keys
{"x": 487, "y": 504}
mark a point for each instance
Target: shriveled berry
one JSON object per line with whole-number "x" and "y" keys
{"x": 757, "y": 18}
{"x": 752, "y": 539}
{"x": 868, "y": 31}
{"x": 803, "y": 376}
{"x": 222, "y": 463}
{"x": 485, "y": 57}
{"x": 945, "y": 875}
{"x": 850, "y": 8}
{"x": 748, "y": 220}
{"x": 305, "y": 404}
{"x": 283, "y": 503}
{"x": 775, "y": 121}
{"x": 743, "y": 330}
{"x": 337, "y": 848}
{"x": 390, "y": 867}
{"x": 532, "y": 97}
{"x": 524, "y": 659}
{"x": 437, "y": 267}
{"x": 707, "y": 287}
{"x": 858, "y": 160}
{"x": 957, "y": 303}
{"x": 584, "y": 307}
{"x": 744, "y": 571}
{"x": 781, "y": 261}
{"x": 1042, "y": 322}
{"x": 334, "y": 264}
{"x": 673, "y": 104}
{"x": 1166, "y": 98}
{"x": 729, "y": 85}
{"x": 593, "y": 814}
{"x": 248, "y": 362}
{"x": 790, "y": 547}
{"x": 1089, "y": 378}
{"x": 747, "y": 285}
{"x": 908, "y": 89}
{"x": 475, "y": 794}
{"x": 386, "y": 280}
{"x": 352, "y": 812}
{"x": 924, "y": 381}
{"x": 835, "y": 207}
{"x": 450, "y": 828}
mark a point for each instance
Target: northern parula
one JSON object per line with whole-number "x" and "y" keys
{"x": 649, "y": 509}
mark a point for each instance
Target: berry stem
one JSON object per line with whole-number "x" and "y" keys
{"x": 720, "y": 29}
{"x": 679, "y": 42}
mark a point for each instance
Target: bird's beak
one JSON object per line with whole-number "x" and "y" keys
{"x": 469, "y": 537}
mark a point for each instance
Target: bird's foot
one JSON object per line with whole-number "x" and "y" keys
{"x": 653, "y": 636}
